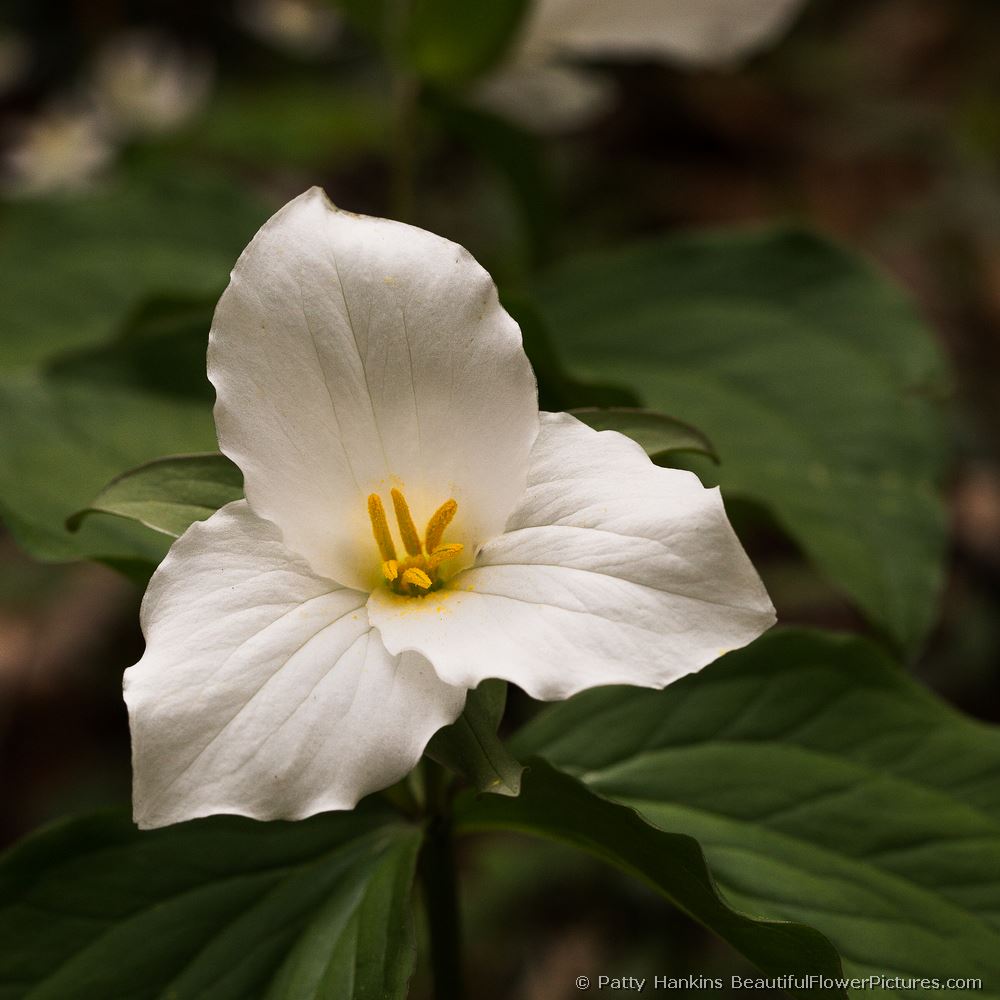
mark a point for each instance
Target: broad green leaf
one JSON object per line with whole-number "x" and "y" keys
{"x": 75, "y": 268}
{"x": 556, "y": 390}
{"x": 660, "y": 435}
{"x": 453, "y": 41}
{"x": 64, "y": 439}
{"x": 305, "y": 122}
{"x": 161, "y": 351}
{"x": 516, "y": 155}
{"x": 93, "y": 414}
{"x": 811, "y": 375}
{"x": 168, "y": 494}
{"x": 440, "y": 41}
{"x": 471, "y": 747}
{"x": 224, "y": 908}
{"x": 825, "y": 787}
{"x": 554, "y": 805}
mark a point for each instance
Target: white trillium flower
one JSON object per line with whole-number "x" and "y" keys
{"x": 303, "y": 28}
{"x": 539, "y": 90}
{"x": 143, "y": 83}
{"x": 413, "y": 525}
{"x": 63, "y": 150}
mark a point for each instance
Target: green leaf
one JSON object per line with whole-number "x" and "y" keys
{"x": 220, "y": 908}
{"x": 810, "y": 374}
{"x": 441, "y": 41}
{"x": 160, "y": 351}
{"x": 64, "y": 439}
{"x": 825, "y": 787}
{"x": 517, "y": 157}
{"x": 75, "y": 268}
{"x": 471, "y": 747}
{"x": 556, "y": 391}
{"x": 453, "y": 41}
{"x": 660, "y": 435}
{"x": 90, "y": 415}
{"x": 369, "y": 16}
{"x": 302, "y": 122}
{"x": 555, "y": 805}
{"x": 168, "y": 494}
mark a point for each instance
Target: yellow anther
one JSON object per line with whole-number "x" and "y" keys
{"x": 414, "y": 577}
{"x": 417, "y": 574}
{"x": 443, "y": 553}
{"x": 407, "y": 529}
{"x": 438, "y": 524}
{"x": 380, "y": 528}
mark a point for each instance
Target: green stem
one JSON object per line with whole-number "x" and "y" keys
{"x": 440, "y": 884}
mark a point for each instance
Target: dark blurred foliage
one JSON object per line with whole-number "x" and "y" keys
{"x": 876, "y": 122}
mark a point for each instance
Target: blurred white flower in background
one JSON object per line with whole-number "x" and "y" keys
{"x": 63, "y": 149}
{"x": 537, "y": 90}
{"x": 142, "y": 83}
{"x": 299, "y": 27}
{"x": 547, "y": 97}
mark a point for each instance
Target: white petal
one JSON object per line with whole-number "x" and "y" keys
{"x": 705, "y": 32}
{"x": 353, "y": 354}
{"x": 612, "y": 571}
{"x": 264, "y": 691}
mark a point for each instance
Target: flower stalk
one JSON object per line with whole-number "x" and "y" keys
{"x": 438, "y": 875}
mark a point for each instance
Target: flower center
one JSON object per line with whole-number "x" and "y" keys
{"x": 417, "y": 574}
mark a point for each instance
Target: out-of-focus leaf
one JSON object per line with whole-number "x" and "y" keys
{"x": 453, "y": 41}
{"x": 161, "y": 351}
{"x": 660, "y": 435}
{"x": 90, "y": 416}
{"x": 516, "y": 155}
{"x": 441, "y": 41}
{"x": 553, "y": 804}
{"x": 471, "y": 747}
{"x": 75, "y": 268}
{"x": 168, "y": 494}
{"x": 224, "y": 907}
{"x": 810, "y": 374}
{"x": 295, "y": 123}
{"x": 556, "y": 390}
{"x": 825, "y": 787}
{"x": 64, "y": 440}
{"x": 372, "y": 17}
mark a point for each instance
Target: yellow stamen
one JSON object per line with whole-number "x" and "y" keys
{"x": 414, "y": 577}
{"x": 390, "y": 569}
{"x": 438, "y": 524}
{"x": 406, "y": 526}
{"x": 380, "y": 528}
{"x": 443, "y": 553}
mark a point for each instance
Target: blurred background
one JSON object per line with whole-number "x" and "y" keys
{"x": 875, "y": 121}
